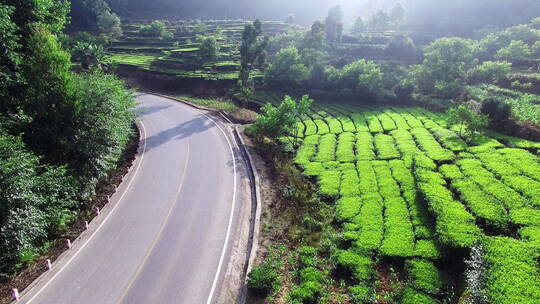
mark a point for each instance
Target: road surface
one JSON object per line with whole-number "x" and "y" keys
{"x": 165, "y": 237}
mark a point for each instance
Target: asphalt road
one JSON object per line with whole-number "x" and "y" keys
{"x": 165, "y": 237}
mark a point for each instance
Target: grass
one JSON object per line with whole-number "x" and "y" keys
{"x": 227, "y": 106}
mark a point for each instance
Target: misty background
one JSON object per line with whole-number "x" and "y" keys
{"x": 457, "y": 17}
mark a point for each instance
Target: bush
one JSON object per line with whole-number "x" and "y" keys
{"x": 498, "y": 111}
{"x": 403, "y": 91}
{"x": 510, "y": 273}
{"x": 489, "y": 71}
{"x": 516, "y": 52}
{"x": 411, "y": 296}
{"x": 424, "y": 276}
{"x": 155, "y": 29}
{"x": 263, "y": 279}
{"x": 361, "y": 294}
{"x": 349, "y": 262}
{"x": 207, "y": 46}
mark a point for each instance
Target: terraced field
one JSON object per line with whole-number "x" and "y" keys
{"x": 178, "y": 55}
{"x": 406, "y": 188}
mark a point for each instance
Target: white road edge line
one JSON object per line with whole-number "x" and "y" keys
{"x": 233, "y": 206}
{"x": 231, "y": 216}
{"x": 102, "y": 223}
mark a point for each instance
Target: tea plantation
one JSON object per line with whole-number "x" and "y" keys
{"x": 407, "y": 188}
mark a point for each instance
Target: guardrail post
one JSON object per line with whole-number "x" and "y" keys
{"x": 48, "y": 264}
{"x": 15, "y": 294}
{"x": 98, "y": 211}
{"x": 68, "y": 243}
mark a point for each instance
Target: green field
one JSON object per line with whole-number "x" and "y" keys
{"x": 406, "y": 189}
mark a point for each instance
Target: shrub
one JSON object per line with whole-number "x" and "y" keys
{"x": 307, "y": 292}
{"x": 489, "y": 71}
{"x": 411, "y": 296}
{"x": 516, "y": 52}
{"x": 385, "y": 146}
{"x": 427, "y": 249}
{"x": 345, "y": 147}
{"x": 351, "y": 263}
{"x": 349, "y": 182}
{"x": 307, "y": 150}
{"x": 327, "y": 148}
{"x": 364, "y": 146}
{"x": 329, "y": 182}
{"x": 208, "y": 47}
{"x": 370, "y": 221}
{"x": 398, "y": 234}
{"x": 511, "y": 271}
{"x": 154, "y": 29}
{"x": 361, "y": 294}
{"x": 423, "y": 275}
{"x": 263, "y": 279}
{"x": 498, "y": 111}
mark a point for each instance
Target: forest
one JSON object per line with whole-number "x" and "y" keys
{"x": 401, "y": 138}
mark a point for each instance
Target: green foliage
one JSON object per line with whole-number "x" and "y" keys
{"x": 103, "y": 119}
{"x": 264, "y": 279}
{"x": 516, "y": 52}
{"x": 207, "y": 46}
{"x": 468, "y": 122}
{"x": 155, "y": 29}
{"x": 509, "y": 273}
{"x": 286, "y": 69}
{"x": 424, "y": 276}
{"x": 498, "y": 111}
{"x": 89, "y": 55}
{"x": 349, "y": 262}
{"x": 251, "y": 49}
{"x": 34, "y": 200}
{"x": 364, "y": 77}
{"x": 489, "y": 71}
{"x": 361, "y": 294}
{"x": 411, "y": 296}
{"x": 446, "y": 63}
{"x": 279, "y": 121}
{"x": 109, "y": 23}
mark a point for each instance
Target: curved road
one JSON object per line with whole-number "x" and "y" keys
{"x": 165, "y": 236}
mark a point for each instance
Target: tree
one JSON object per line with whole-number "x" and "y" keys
{"x": 516, "y": 52}
{"x": 154, "y": 29}
{"x": 535, "y": 50}
{"x": 314, "y": 38}
{"x": 333, "y": 24}
{"x": 467, "y": 120}
{"x": 291, "y": 19}
{"x": 251, "y": 48}
{"x": 398, "y": 14}
{"x": 489, "y": 71}
{"x": 380, "y": 21}
{"x": 207, "y": 46}
{"x": 362, "y": 77}
{"x": 446, "y": 63}
{"x": 287, "y": 69}
{"x": 358, "y": 26}
{"x": 110, "y": 25}
{"x": 275, "y": 122}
